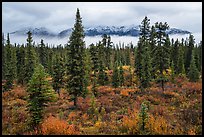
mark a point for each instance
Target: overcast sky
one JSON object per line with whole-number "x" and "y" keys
{"x": 58, "y": 16}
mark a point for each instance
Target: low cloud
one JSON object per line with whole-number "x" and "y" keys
{"x": 58, "y": 16}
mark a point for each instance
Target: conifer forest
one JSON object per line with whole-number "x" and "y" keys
{"x": 152, "y": 88}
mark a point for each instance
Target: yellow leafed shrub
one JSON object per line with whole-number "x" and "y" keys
{"x": 55, "y": 126}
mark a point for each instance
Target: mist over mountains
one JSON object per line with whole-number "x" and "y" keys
{"x": 132, "y": 30}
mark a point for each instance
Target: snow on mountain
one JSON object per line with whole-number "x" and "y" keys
{"x": 39, "y": 32}
{"x": 132, "y": 30}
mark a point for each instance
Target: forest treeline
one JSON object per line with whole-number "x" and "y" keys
{"x": 74, "y": 66}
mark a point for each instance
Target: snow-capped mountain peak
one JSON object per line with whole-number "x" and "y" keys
{"x": 131, "y": 30}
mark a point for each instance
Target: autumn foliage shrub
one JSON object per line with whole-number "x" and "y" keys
{"x": 130, "y": 123}
{"x": 157, "y": 125}
{"x": 55, "y": 126}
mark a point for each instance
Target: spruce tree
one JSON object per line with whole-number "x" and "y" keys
{"x": 127, "y": 57}
{"x": 87, "y": 77}
{"x": 180, "y": 65}
{"x": 146, "y": 68}
{"x": 3, "y": 58}
{"x": 121, "y": 75}
{"x": 175, "y": 55}
{"x": 9, "y": 66}
{"x": 76, "y": 71}
{"x": 43, "y": 54}
{"x": 189, "y": 49}
{"x": 152, "y": 44}
{"x": 58, "y": 73}
{"x": 200, "y": 56}
{"x": 115, "y": 76}
{"x": 193, "y": 74}
{"x": 196, "y": 57}
{"x": 101, "y": 75}
{"x": 40, "y": 92}
{"x": 50, "y": 61}
{"x": 172, "y": 72}
{"x": 138, "y": 59}
{"x": 161, "y": 53}
{"x": 145, "y": 72}
{"x": 108, "y": 52}
{"x": 95, "y": 66}
{"x": 30, "y": 58}
{"x": 21, "y": 54}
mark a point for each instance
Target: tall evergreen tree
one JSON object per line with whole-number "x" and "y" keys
{"x": 58, "y": 73}
{"x": 161, "y": 52}
{"x": 95, "y": 65}
{"x": 200, "y": 56}
{"x": 152, "y": 44}
{"x": 50, "y": 61}
{"x": 145, "y": 72}
{"x": 87, "y": 77}
{"x": 190, "y": 47}
{"x": 146, "y": 68}
{"x": 108, "y": 52}
{"x": 121, "y": 75}
{"x": 101, "y": 75}
{"x": 40, "y": 92}
{"x": 43, "y": 54}
{"x": 76, "y": 69}
{"x": 175, "y": 55}
{"x": 21, "y": 54}
{"x": 30, "y": 58}
{"x": 180, "y": 65}
{"x": 145, "y": 29}
{"x": 138, "y": 59}
{"x": 115, "y": 76}
{"x": 127, "y": 56}
{"x": 3, "y": 58}
{"x": 9, "y": 65}
{"x": 193, "y": 73}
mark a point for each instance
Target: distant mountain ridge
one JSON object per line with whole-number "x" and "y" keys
{"x": 132, "y": 30}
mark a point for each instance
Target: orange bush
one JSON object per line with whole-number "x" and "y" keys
{"x": 130, "y": 122}
{"x": 55, "y": 126}
{"x": 157, "y": 125}
{"x": 191, "y": 86}
{"x": 124, "y": 92}
{"x": 170, "y": 94}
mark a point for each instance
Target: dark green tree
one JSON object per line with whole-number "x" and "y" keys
{"x": 50, "y": 61}
{"x": 87, "y": 77}
{"x": 127, "y": 57}
{"x": 58, "y": 73}
{"x": 101, "y": 75}
{"x": 193, "y": 73}
{"x": 115, "y": 76}
{"x": 95, "y": 66}
{"x": 21, "y": 54}
{"x": 76, "y": 70}
{"x": 161, "y": 53}
{"x": 3, "y": 58}
{"x": 121, "y": 75}
{"x": 146, "y": 68}
{"x": 43, "y": 54}
{"x": 145, "y": 75}
{"x": 152, "y": 44}
{"x": 138, "y": 58}
{"x": 10, "y": 65}
{"x": 180, "y": 63}
{"x": 40, "y": 92}
{"x": 189, "y": 49}
{"x": 30, "y": 58}
{"x": 175, "y": 55}
{"x": 108, "y": 52}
